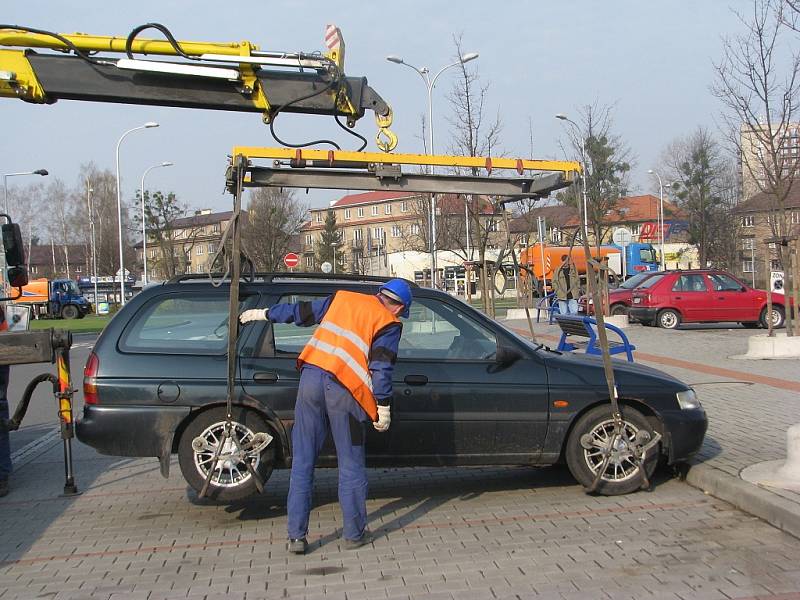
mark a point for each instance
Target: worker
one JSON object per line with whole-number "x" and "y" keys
{"x": 5, "y": 445}
{"x": 566, "y": 286}
{"x": 345, "y": 380}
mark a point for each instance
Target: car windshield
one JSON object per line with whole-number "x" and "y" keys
{"x": 72, "y": 288}
{"x": 651, "y": 281}
{"x": 634, "y": 281}
{"x": 647, "y": 255}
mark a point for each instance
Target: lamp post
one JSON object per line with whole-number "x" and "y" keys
{"x": 660, "y": 216}
{"x": 585, "y": 169}
{"x": 147, "y": 125}
{"x": 144, "y": 227}
{"x": 90, "y": 207}
{"x": 42, "y": 172}
{"x": 425, "y": 73}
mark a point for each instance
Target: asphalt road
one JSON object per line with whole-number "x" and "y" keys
{"x": 41, "y": 417}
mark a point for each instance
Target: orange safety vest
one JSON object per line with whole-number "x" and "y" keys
{"x": 3, "y": 322}
{"x": 341, "y": 344}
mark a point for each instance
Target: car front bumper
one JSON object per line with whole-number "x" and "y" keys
{"x": 686, "y": 430}
{"x": 130, "y": 430}
{"x": 641, "y": 313}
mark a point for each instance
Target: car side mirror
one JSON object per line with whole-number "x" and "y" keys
{"x": 506, "y": 355}
{"x": 16, "y": 274}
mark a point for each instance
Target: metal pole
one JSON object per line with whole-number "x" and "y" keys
{"x": 119, "y": 213}
{"x": 753, "y": 260}
{"x": 93, "y": 241}
{"x": 466, "y": 224}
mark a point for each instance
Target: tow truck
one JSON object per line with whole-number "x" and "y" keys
{"x": 238, "y": 76}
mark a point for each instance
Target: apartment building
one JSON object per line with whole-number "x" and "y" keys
{"x": 756, "y": 157}
{"x": 187, "y": 247}
{"x": 375, "y": 224}
{"x": 755, "y": 226}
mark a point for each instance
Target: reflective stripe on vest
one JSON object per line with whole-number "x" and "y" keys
{"x": 341, "y": 344}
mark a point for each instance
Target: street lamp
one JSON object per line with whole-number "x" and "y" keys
{"x": 144, "y": 229}
{"x": 42, "y": 172}
{"x": 334, "y": 245}
{"x": 660, "y": 216}
{"x": 425, "y": 73}
{"x": 585, "y": 168}
{"x": 147, "y": 125}
{"x": 90, "y": 207}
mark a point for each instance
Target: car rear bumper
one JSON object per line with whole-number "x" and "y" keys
{"x": 687, "y": 430}
{"x": 640, "y": 313}
{"x": 130, "y": 430}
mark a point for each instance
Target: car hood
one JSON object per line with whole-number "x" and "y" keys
{"x": 585, "y": 369}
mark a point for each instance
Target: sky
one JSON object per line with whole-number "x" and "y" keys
{"x": 654, "y": 61}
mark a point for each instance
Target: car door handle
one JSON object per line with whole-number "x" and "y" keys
{"x": 678, "y": 297}
{"x": 265, "y": 377}
{"x": 416, "y": 379}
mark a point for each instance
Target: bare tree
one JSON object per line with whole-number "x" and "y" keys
{"x": 275, "y": 217}
{"x": 474, "y": 135}
{"x": 162, "y": 212}
{"x": 757, "y": 82}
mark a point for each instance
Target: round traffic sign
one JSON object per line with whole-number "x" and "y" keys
{"x": 291, "y": 260}
{"x": 326, "y": 267}
{"x": 622, "y": 236}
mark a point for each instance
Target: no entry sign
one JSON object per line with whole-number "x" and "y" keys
{"x": 291, "y": 260}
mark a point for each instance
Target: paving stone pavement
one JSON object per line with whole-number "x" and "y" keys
{"x": 440, "y": 533}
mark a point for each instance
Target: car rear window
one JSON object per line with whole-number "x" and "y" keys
{"x": 648, "y": 283}
{"x": 179, "y": 324}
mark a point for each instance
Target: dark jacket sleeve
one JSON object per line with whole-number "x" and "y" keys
{"x": 382, "y": 356}
{"x": 304, "y": 313}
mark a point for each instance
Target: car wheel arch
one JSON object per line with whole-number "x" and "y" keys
{"x": 649, "y": 413}
{"x": 284, "y": 451}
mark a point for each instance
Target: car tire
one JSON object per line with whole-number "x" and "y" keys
{"x": 778, "y": 317}
{"x": 622, "y": 476}
{"x": 668, "y": 319}
{"x": 225, "y": 486}
{"x": 70, "y": 311}
{"x": 618, "y": 309}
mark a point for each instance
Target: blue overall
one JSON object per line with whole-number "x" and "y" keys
{"x": 5, "y": 444}
{"x": 322, "y": 402}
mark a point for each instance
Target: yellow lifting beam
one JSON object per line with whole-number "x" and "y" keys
{"x": 332, "y": 157}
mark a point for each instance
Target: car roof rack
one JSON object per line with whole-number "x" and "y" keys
{"x": 270, "y": 277}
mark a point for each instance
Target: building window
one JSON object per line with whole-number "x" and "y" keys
{"x": 387, "y": 210}
{"x": 360, "y": 211}
{"x": 309, "y": 239}
{"x": 396, "y": 231}
{"x": 318, "y": 217}
{"x": 636, "y": 229}
{"x": 491, "y": 226}
{"x": 152, "y": 253}
{"x": 356, "y": 235}
{"x": 747, "y": 266}
{"x": 309, "y": 261}
{"x": 346, "y": 214}
{"x": 748, "y": 244}
{"x": 775, "y": 265}
{"x": 404, "y": 206}
{"x": 216, "y": 228}
{"x": 212, "y": 248}
{"x": 794, "y": 217}
{"x": 377, "y": 234}
{"x": 78, "y": 269}
{"x": 748, "y": 221}
{"x": 555, "y": 235}
{"x": 415, "y": 229}
{"x": 199, "y": 250}
{"x": 374, "y": 210}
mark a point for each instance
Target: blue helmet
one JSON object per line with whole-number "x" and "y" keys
{"x": 399, "y": 291}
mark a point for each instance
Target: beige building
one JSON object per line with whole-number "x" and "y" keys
{"x": 372, "y": 225}
{"x": 756, "y": 156}
{"x": 188, "y": 247}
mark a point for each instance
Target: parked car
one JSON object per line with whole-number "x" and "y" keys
{"x": 619, "y": 298}
{"x": 467, "y": 391}
{"x": 702, "y": 296}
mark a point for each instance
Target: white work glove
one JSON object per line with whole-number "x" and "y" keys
{"x": 253, "y": 314}
{"x": 384, "y": 418}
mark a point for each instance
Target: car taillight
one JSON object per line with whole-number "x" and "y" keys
{"x": 90, "y": 379}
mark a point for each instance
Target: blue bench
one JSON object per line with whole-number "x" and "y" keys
{"x": 586, "y": 327}
{"x": 548, "y": 304}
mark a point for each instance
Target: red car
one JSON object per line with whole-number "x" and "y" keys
{"x": 702, "y": 296}
{"x": 619, "y": 299}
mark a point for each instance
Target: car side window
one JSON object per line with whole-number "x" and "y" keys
{"x": 435, "y": 330}
{"x": 289, "y": 339}
{"x": 724, "y": 283}
{"x": 180, "y": 324}
{"x": 689, "y": 283}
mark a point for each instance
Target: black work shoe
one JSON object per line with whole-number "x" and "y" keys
{"x": 366, "y": 538}
{"x": 298, "y": 546}
{"x": 3, "y": 487}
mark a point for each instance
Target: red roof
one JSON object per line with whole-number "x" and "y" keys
{"x": 633, "y": 209}
{"x": 367, "y": 197}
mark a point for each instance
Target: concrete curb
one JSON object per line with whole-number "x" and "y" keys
{"x": 775, "y": 510}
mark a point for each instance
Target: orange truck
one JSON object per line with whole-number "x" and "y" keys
{"x": 531, "y": 257}
{"x": 54, "y": 298}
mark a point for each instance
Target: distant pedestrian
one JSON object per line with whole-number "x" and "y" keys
{"x": 5, "y": 446}
{"x": 567, "y": 286}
